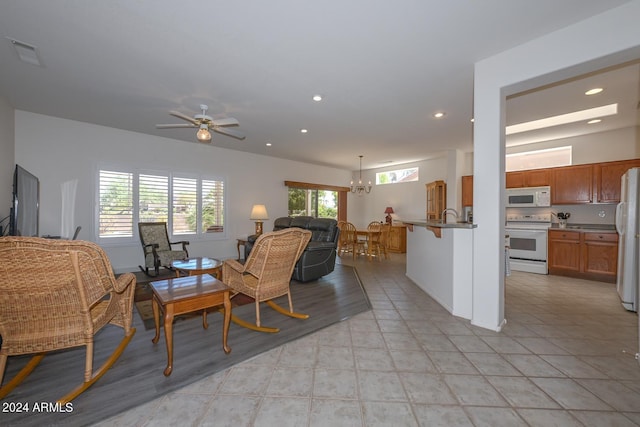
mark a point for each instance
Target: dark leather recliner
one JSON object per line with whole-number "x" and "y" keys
{"x": 319, "y": 257}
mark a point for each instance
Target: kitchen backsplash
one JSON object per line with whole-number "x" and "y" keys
{"x": 580, "y": 214}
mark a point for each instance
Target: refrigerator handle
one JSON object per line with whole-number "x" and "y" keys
{"x": 618, "y": 218}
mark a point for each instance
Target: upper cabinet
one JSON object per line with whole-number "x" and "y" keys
{"x": 608, "y": 176}
{"x": 436, "y": 199}
{"x": 467, "y": 190}
{"x": 572, "y": 185}
{"x": 528, "y": 178}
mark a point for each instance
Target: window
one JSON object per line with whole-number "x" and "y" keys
{"x": 397, "y": 176}
{"x": 315, "y": 203}
{"x": 192, "y": 206}
{"x": 547, "y": 158}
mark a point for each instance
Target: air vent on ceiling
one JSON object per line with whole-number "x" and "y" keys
{"x": 26, "y": 52}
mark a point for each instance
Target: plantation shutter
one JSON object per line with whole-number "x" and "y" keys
{"x": 212, "y": 206}
{"x": 185, "y": 205}
{"x": 153, "y": 198}
{"x": 115, "y": 217}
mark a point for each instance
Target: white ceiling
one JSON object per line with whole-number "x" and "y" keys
{"x": 384, "y": 68}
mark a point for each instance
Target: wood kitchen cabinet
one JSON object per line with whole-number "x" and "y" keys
{"x": 563, "y": 255}
{"x": 600, "y": 256}
{"x": 397, "y": 239}
{"x": 528, "y": 178}
{"x": 436, "y": 199}
{"x": 607, "y": 179}
{"x": 572, "y": 185}
{"x": 467, "y": 190}
{"x": 587, "y": 255}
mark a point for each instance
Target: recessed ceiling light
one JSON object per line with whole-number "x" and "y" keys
{"x": 303, "y": 130}
{"x": 594, "y": 91}
{"x": 591, "y": 122}
{"x": 473, "y": 120}
{"x": 563, "y": 119}
{"x": 268, "y": 144}
{"x": 439, "y": 115}
{"x": 317, "y": 98}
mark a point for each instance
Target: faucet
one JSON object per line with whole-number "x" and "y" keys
{"x": 443, "y": 216}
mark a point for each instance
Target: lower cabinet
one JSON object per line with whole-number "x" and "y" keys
{"x": 398, "y": 239}
{"x": 587, "y": 255}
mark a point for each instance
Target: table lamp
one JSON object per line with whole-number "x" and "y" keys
{"x": 259, "y": 214}
{"x": 388, "y": 211}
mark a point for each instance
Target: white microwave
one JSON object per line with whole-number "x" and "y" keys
{"x": 528, "y": 197}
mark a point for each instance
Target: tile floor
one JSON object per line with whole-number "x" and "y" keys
{"x": 564, "y": 358}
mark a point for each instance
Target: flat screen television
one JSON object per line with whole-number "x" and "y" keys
{"x": 26, "y": 202}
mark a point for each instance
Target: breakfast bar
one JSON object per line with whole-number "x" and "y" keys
{"x": 440, "y": 262}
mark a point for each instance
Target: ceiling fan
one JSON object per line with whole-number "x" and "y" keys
{"x": 204, "y": 124}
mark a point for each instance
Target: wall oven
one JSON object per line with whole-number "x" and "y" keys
{"x": 527, "y": 242}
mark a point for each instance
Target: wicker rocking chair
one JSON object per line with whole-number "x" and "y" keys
{"x": 267, "y": 272}
{"x": 77, "y": 294}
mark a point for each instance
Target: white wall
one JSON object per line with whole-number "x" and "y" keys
{"x": 7, "y": 158}
{"x": 58, "y": 150}
{"x": 568, "y": 52}
{"x": 408, "y": 200}
{"x": 619, "y": 144}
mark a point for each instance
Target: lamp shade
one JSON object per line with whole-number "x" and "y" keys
{"x": 389, "y": 210}
{"x": 259, "y": 213}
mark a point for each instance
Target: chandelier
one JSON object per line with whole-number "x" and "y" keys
{"x": 360, "y": 188}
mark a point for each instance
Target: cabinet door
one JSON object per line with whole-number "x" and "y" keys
{"x": 572, "y": 185}
{"x": 564, "y": 251}
{"x": 467, "y": 190}
{"x": 600, "y": 255}
{"x": 537, "y": 178}
{"x": 436, "y": 199}
{"x": 398, "y": 239}
{"x": 608, "y": 176}
{"x": 514, "y": 179}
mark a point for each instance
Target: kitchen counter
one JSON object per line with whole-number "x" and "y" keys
{"x": 587, "y": 228}
{"x": 438, "y": 224}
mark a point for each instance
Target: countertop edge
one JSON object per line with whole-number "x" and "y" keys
{"x": 438, "y": 224}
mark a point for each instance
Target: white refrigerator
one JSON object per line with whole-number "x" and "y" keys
{"x": 627, "y": 215}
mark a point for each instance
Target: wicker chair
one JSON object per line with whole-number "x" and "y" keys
{"x": 267, "y": 272}
{"x": 77, "y": 294}
{"x": 157, "y": 248}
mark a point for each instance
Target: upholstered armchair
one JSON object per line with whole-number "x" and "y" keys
{"x": 158, "y": 250}
{"x": 319, "y": 257}
{"x": 266, "y": 273}
{"x": 57, "y": 294}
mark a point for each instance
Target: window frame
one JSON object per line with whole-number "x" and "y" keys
{"x": 199, "y": 235}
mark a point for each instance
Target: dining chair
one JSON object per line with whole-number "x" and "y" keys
{"x": 374, "y": 231}
{"x": 348, "y": 239}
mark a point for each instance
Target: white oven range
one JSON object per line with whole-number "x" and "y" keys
{"x": 527, "y": 242}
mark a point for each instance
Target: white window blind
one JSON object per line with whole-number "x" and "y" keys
{"x": 212, "y": 206}
{"x": 185, "y": 205}
{"x": 115, "y": 218}
{"x": 153, "y": 198}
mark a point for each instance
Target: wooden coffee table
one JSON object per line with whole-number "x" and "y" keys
{"x": 198, "y": 265}
{"x": 186, "y": 294}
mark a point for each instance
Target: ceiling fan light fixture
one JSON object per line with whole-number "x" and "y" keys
{"x": 203, "y": 134}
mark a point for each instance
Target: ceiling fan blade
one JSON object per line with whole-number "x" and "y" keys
{"x": 178, "y": 125}
{"x": 228, "y": 121}
{"x": 179, "y": 115}
{"x": 229, "y": 132}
